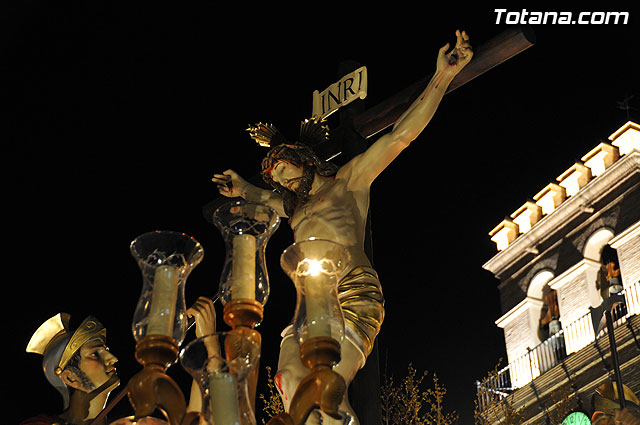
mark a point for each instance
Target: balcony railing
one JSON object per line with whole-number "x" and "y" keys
{"x": 536, "y": 361}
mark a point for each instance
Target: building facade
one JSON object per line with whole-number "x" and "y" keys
{"x": 564, "y": 256}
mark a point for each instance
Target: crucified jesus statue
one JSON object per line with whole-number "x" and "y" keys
{"x": 323, "y": 201}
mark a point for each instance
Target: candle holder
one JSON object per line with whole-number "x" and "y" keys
{"x": 159, "y": 323}
{"x": 221, "y": 363}
{"x": 315, "y": 266}
{"x": 246, "y": 228}
{"x": 165, "y": 259}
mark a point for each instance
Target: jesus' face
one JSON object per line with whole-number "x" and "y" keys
{"x": 288, "y": 175}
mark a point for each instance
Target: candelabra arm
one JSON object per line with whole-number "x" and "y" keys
{"x": 322, "y": 389}
{"x": 243, "y": 315}
{"x": 234, "y": 348}
{"x": 281, "y": 419}
{"x": 152, "y": 388}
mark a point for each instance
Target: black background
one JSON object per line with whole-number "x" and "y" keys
{"x": 120, "y": 112}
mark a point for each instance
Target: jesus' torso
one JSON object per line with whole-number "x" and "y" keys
{"x": 336, "y": 213}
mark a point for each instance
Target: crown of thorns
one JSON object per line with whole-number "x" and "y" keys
{"x": 313, "y": 131}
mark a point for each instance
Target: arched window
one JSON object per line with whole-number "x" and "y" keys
{"x": 544, "y": 323}
{"x": 549, "y": 315}
{"x": 598, "y": 254}
{"x": 608, "y": 281}
{"x": 596, "y": 243}
{"x": 538, "y": 298}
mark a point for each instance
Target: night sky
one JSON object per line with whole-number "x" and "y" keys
{"x": 119, "y": 113}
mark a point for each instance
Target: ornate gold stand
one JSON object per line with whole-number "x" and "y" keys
{"x": 152, "y": 388}
{"x": 322, "y": 389}
{"x": 243, "y": 315}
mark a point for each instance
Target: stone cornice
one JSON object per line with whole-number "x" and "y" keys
{"x": 618, "y": 173}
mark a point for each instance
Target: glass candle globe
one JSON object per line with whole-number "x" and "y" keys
{"x": 315, "y": 266}
{"x": 220, "y": 363}
{"x": 165, "y": 259}
{"x": 246, "y": 228}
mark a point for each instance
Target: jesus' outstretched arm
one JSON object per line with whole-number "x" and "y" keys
{"x": 368, "y": 165}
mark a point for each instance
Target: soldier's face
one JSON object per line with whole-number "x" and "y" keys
{"x": 97, "y": 362}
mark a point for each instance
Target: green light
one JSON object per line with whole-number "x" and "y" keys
{"x": 577, "y": 418}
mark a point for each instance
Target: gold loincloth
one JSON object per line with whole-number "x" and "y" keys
{"x": 362, "y": 302}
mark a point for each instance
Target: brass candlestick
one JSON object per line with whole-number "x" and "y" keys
{"x": 243, "y": 315}
{"x": 315, "y": 267}
{"x": 322, "y": 389}
{"x": 152, "y": 388}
